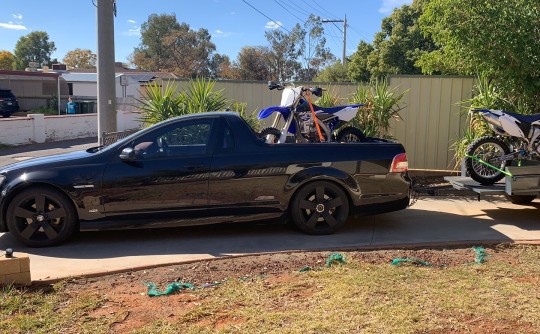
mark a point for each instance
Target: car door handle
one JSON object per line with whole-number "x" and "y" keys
{"x": 194, "y": 166}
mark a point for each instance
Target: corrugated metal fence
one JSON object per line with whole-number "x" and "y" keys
{"x": 432, "y": 118}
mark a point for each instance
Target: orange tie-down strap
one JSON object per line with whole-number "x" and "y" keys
{"x": 308, "y": 94}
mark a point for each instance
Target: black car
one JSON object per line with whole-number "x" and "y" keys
{"x": 200, "y": 169}
{"x": 8, "y": 103}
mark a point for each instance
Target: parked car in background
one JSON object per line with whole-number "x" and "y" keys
{"x": 200, "y": 169}
{"x": 8, "y": 103}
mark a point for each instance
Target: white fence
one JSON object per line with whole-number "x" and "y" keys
{"x": 37, "y": 128}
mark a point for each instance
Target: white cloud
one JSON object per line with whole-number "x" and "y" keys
{"x": 12, "y": 26}
{"x": 132, "y": 21}
{"x": 233, "y": 13}
{"x": 389, "y": 5}
{"x": 135, "y": 31}
{"x": 273, "y": 25}
{"x": 17, "y": 16}
{"x": 221, "y": 33}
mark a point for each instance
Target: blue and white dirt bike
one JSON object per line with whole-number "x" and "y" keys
{"x": 297, "y": 112}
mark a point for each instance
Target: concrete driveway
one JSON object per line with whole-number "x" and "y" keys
{"x": 430, "y": 222}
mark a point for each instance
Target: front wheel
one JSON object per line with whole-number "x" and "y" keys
{"x": 41, "y": 217}
{"x": 270, "y": 135}
{"x": 483, "y": 162}
{"x": 350, "y": 135}
{"x": 320, "y": 207}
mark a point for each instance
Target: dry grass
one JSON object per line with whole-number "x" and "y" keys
{"x": 499, "y": 296}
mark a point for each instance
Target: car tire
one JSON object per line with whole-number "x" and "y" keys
{"x": 270, "y": 135}
{"x": 41, "y": 217}
{"x": 319, "y": 208}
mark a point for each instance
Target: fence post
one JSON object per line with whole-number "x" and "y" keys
{"x": 38, "y": 125}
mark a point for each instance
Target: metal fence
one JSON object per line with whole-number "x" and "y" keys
{"x": 108, "y": 138}
{"x": 432, "y": 117}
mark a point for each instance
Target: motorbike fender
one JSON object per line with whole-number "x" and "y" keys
{"x": 267, "y": 112}
{"x": 347, "y": 113}
{"x": 511, "y": 126}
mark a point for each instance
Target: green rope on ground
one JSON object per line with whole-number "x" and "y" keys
{"x": 306, "y": 268}
{"x": 335, "y": 258}
{"x": 171, "y": 288}
{"x": 481, "y": 255}
{"x": 488, "y": 164}
{"x": 398, "y": 261}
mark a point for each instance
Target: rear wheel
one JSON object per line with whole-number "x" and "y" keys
{"x": 270, "y": 135}
{"x": 40, "y": 217}
{"x": 320, "y": 207}
{"x": 350, "y": 135}
{"x": 484, "y": 151}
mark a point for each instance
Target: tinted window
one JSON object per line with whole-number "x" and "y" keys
{"x": 182, "y": 139}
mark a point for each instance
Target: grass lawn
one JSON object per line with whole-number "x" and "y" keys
{"x": 364, "y": 295}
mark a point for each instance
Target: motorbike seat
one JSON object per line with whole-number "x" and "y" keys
{"x": 524, "y": 118}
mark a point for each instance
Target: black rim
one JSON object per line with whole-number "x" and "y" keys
{"x": 321, "y": 208}
{"x": 39, "y": 218}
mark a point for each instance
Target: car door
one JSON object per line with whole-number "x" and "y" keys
{"x": 167, "y": 178}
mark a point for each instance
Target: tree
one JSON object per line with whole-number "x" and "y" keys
{"x": 80, "y": 58}
{"x": 221, "y": 67}
{"x": 7, "y": 60}
{"x": 333, "y": 73}
{"x": 286, "y": 49}
{"x": 358, "y": 69}
{"x": 190, "y": 51}
{"x": 34, "y": 47}
{"x": 252, "y": 63}
{"x": 400, "y": 43}
{"x": 167, "y": 45}
{"x": 497, "y": 38}
{"x": 152, "y": 54}
{"x": 315, "y": 54}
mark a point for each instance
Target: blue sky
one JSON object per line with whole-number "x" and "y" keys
{"x": 233, "y": 24}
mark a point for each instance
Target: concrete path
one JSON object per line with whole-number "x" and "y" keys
{"x": 430, "y": 222}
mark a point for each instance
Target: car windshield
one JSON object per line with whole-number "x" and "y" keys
{"x": 6, "y": 93}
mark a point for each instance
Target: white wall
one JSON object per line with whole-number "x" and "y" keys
{"x": 37, "y": 128}
{"x": 84, "y": 89}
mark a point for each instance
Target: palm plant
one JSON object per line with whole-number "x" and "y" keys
{"x": 161, "y": 103}
{"x": 250, "y": 119}
{"x": 381, "y": 104}
{"x": 201, "y": 96}
{"x": 328, "y": 99}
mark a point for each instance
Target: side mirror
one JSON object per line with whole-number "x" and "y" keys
{"x": 272, "y": 85}
{"x": 128, "y": 154}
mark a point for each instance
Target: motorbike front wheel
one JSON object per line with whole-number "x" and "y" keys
{"x": 270, "y": 135}
{"x": 350, "y": 135}
{"x": 481, "y": 158}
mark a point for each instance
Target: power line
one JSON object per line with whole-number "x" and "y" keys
{"x": 286, "y": 9}
{"x": 263, "y": 14}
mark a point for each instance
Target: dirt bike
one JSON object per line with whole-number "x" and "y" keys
{"x": 517, "y": 138}
{"x": 307, "y": 121}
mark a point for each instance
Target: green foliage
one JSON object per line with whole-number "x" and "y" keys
{"x": 358, "y": 69}
{"x": 381, "y": 104}
{"x": 250, "y": 118}
{"x": 34, "y": 47}
{"x": 161, "y": 103}
{"x": 167, "y": 45}
{"x": 328, "y": 99}
{"x": 498, "y": 38}
{"x": 487, "y": 96}
{"x": 333, "y": 73}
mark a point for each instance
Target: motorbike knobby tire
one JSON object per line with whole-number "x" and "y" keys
{"x": 481, "y": 172}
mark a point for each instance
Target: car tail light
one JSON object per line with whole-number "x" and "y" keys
{"x": 399, "y": 164}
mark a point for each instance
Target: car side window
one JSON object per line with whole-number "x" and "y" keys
{"x": 184, "y": 139}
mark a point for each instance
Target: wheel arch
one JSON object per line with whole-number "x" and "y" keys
{"x": 337, "y": 177}
{"x": 22, "y": 187}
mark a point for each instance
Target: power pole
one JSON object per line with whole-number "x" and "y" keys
{"x": 106, "y": 87}
{"x": 344, "y": 35}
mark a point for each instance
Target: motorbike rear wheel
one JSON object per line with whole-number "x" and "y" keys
{"x": 350, "y": 135}
{"x": 486, "y": 149}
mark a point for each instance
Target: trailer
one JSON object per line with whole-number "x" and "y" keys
{"x": 521, "y": 184}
